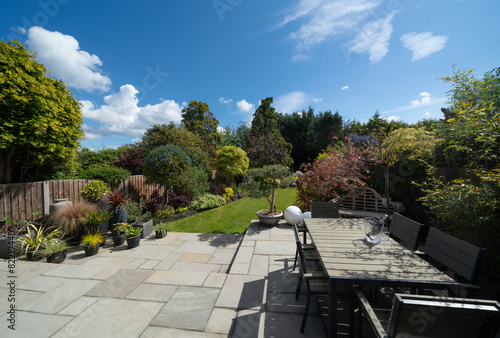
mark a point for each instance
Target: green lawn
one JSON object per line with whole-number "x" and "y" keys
{"x": 233, "y": 218}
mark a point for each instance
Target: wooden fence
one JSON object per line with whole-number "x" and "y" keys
{"x": 19, "y": 200}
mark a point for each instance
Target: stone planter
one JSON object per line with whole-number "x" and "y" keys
{"x": 147, "y": 227}
{"x": 269, "y": 220}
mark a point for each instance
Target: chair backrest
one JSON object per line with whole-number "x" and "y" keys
{"x": 430, "y": 316}
{"x": 324, "y": 210}
{"x": 407, "y": 231}
{"x": 463, "y": 258}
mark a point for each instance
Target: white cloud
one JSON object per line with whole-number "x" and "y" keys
{"x": 225, "y": 101}
{"x": 423, "y": 44}
{"x": 62, "y": 55}
{"x": 344, "y": 88}
{"x": 244, "y": 106}
{"x": 122, "y": 116}
{"x": 294, "y": 102}
{"x": 323, "y": 20}
{"x": 425, "y": 100}
{"x": 391, "y": 118}
{"x": 374, "y": 39}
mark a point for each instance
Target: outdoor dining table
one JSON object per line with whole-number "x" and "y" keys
{"x": 349, "y": 259}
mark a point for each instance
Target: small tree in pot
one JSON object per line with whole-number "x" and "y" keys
{"x": 262, "y": 182}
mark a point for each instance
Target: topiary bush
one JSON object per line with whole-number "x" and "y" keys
{"x": 194, "y": 184}
{"x": 166, "y": 165}
{"x": 208, "y": 201}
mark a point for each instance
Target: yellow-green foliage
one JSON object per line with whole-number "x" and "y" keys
{"x": 179, "y": 210}
{"x": 228, "y": 193}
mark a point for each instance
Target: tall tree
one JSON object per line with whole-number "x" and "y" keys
{"x": 310, "y": 134}
{"x": 41, "y": 122}
{"x": 199, "y": 120}
{"x": 163, "y": 134}
{"x": 265, "y": 119}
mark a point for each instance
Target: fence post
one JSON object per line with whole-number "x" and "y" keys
{"x": 46, "y": 197}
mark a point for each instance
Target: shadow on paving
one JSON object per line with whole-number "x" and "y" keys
{"x": 220, "y": 240}
{"x": 267, "y": 307}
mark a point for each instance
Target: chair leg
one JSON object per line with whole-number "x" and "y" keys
{"x": 306, "y": 310}
{"x": 299, "y": 282}
{"x": 295, "y": 261}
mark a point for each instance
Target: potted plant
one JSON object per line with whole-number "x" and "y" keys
{"x": 55, "y": 250}
{"x": 91, "y": 242}
{"x": 137, "y": 217}
{"x": 117, "y": 201}
{"x": 160, "y": 229}
{"x": 11, "y": 235}
{"x": 97, "y": 221}
{"x": 94, "y": 192}
{"x": 119, "y": 233}
{"x": 262, "y": 182}
{"x": 36, "y": 238}
{"x": 133, "y": 236}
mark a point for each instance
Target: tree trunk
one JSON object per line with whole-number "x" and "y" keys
{"x": 6, "y": 165}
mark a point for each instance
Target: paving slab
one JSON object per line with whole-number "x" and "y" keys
{"x": 221, "y": 321}
{"x": 42, "y": 283}
{"x": 178, "y": 278}
{"x": 259, "y": 265}
{"x": 275, "y": 248}
{"x": 196, "y": 247}
{"x": 74, "y": 271}
{"x": 158, "y": 331}
{"x": 286, "y": 303}
{"x": 271, "y": 324}
{"x": 121, "y": 284}
{"x": 215, "y": 280}
{"x": 168, "y": 240}
{"x": 153, "y": 292}
{"x": 244, "y": 255}
{"x": 239, "y": 268}
{"x": 198, "y": 267}
{"x": 21, "y": 297}
{"x": 25, "y": 272}
{"x": 150, "y": 264}
{"x": 222, "y": 256}
{"x": 169, "y": 261}
{"x": 189, "y": 308}
{"x": 30, "y": 324}
{"x": 110, "y": 317}
{"x": 243, "y": 292}
{"x": 78, "y": 306}
{"x": 156, "y": 252}
{"x": 195, "y": 258}
{"x": 55, "y": 300}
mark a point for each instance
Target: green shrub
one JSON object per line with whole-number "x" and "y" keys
{"x": 228, "y": 194}
{"x": 194, "y": 184}
{"x": 110, "y": 174}
{"x": 165, "y": 213}
{"x": 165, "y": 165}
{"x": 95, "y": 190}
{"x": 289, "y": 182}
{"x": 180, "y": 210}
{"x": 136, "y": 213}
{"x": 208, "y": 201}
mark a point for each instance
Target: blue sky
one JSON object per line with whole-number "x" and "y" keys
{"x": 132, "y": 64}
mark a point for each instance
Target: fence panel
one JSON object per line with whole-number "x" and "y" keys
{"x": 19, "y": 200}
